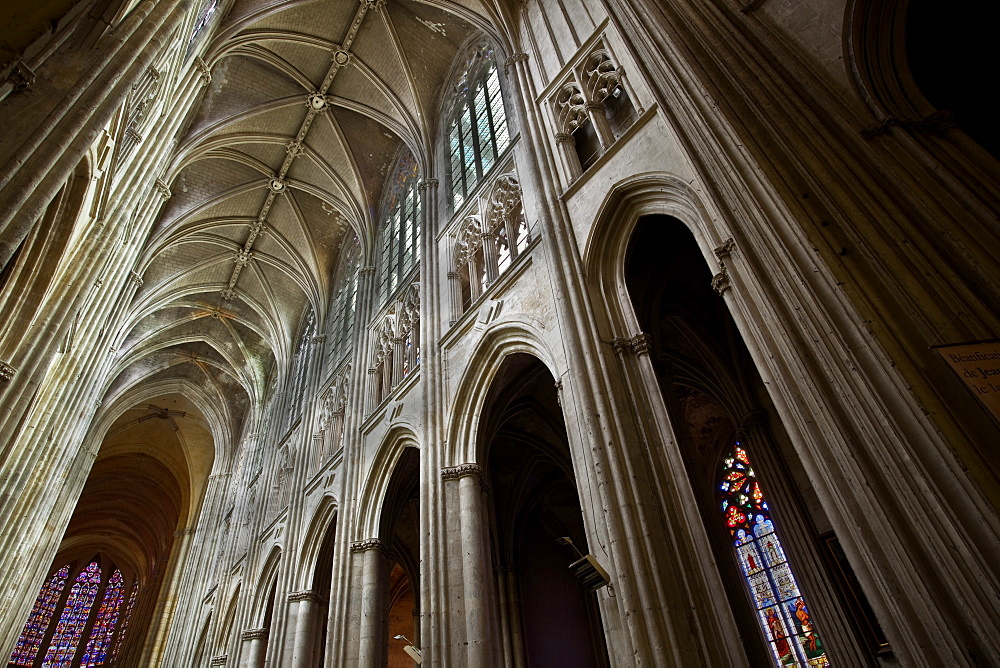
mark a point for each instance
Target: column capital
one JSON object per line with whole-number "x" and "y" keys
{"x": 135, "y": 278}
{"x": 254, "y": 634}
{"x": 565, "y": 138}
{"x": 305, "y": 595}
{"x": 752, "y": 423}
{"x": 219, "y": 660}
{"x": 427, "y": 184}
{"x": 513, "y": 59}
{"x": 186, "y": 531}
{"x": 203, "y": 70}
{"x": 725, "y": 249}
{"x": 460, "y": 471}
{"x": 721, "y": 282}
{"x": 369, "y": 544}
{"x": 162, "y": 189}
{"x": 6, "y": 372}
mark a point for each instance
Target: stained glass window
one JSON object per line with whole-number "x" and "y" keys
{"x": 478, "y": 133}
{"x": 74, "y": 617}
{"x": 38, "y": 621}
{"x": 781, "y": 610}
{"x": 104, "y": 624}
{"x": 345, "y": 296}
{"x": 401, "y": 228}
{"x": 123, "y": 626}
{"x": 204, "y": 18}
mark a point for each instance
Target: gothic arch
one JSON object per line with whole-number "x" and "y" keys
{"x": 265, "y": 580}
{"x": 399, "y": 437}
{"x": 499, "y": 341}
{"x": 323, "y": 519}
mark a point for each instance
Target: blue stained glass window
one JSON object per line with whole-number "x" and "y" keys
{"x": 779, "y": 605}
{"x": 104, "y": 625}
{"x": 38, "y": 622}
{"x": 400, "y": 237}
{"x": 74, "y": 617}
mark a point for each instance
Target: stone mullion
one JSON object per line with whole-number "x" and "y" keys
{"x": 490, "y": 258}
{"x": 633, "y": 539}
{"x": 566, "y": 144}
{"x": 475, "y": 277}
{"x": 399, "y": 353}
{"x": 511, "y": 224}
{"x": 869, "y": 427}
{"x": 337, "y": 645}
{"x": 595, "y": 111}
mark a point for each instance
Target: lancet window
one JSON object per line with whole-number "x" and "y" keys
{"x": 300, "y": 370}
{"x": 487, "y": 245}
{"x": 345, "y": 297}
{"x": 75, "y": 626}
{"x": 781, "y": 610}
{"x": 478, "y": 132}
{"x": 31, "y": 637}
{"x": 400, "y": 237}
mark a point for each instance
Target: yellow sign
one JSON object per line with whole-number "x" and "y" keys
{"x": 978, "y": 364}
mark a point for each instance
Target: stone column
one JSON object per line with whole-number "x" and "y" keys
{"x": 304, "y": 640}
{"x": 398, "y": 355}
{"x": 455, "y": 293}
{"x": 595, "y": 111}
{"x": 490, "y": 258}
{"x": 254, "y": 648}
{"x": 373, "y": 634}
{"x": 567, "y": 151}
{"x": 371, "y": 391}
{"x": 476, "y": 566}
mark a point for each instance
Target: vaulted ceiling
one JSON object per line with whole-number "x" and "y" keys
{"x": 279, "y": 165}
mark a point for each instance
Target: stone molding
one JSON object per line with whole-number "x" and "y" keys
{"x": 254, "y": 634}
{"x": 219, "y": 660}
{"x": 6, "y": 372}
{"x": 932, "y": 124}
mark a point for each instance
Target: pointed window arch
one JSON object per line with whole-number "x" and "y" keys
{"x": 781, "y": 610}
{"x": 123, "y": 627}
{"x": 478, "y": 132}
{"x": 31, "y": 637}
{"x": 74, "y": 617}
{"x": 400, "y": 238}
{"x": 104, "y": 625}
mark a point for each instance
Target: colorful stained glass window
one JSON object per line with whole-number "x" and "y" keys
{"x": 38, "y": 621}
{"x": 781, "y": 610}
{"x": 74, "y": 617}
{"x": 104, "y": 624}
{"x": 478, "y": 134}
{"x": 123, "y": 625}
{"x": 203, "y": 18}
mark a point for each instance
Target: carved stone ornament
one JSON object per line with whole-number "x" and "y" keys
{"x": 373, "y": 4}
{"x": 369, "y": 544}
{"x": 243, "y": 257}
{"x": 720, "y": 282}
{"x": 317, "y": 102}
{"x": 725, "y": 249}
{"x": 277, "y": 185}
{"x": 341, "y": 57}
{"x": 135, "y": 278}
{"x": 219, "y": 660}
{"x": 254, "y": 634}
{"x": 21, "y": 76}
{"x": 228, "y": 294}
{"x": 6, "y": 372}
{"x": 203, "y": 70}
{"x": 307, "y": 595}
{"x": 162, "y": 188}
{"x": 460, "y": 471}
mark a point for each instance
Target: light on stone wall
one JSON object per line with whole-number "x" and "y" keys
{"x": 586, "y": 569}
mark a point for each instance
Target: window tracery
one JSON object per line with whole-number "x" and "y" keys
{"x": 592, "y": 109}
{"x": 478, "y": 132}
{"x": 781, "y": 610}
{"x": 345, "y": 298}
{"x": 400, "y": 236}
{"x": 104, "y": 625}
{"x": 486, "y": 246}
{"x": 396, "y": 346}
{"x": 123, "y": 628}
{"x": 73, "y": 618}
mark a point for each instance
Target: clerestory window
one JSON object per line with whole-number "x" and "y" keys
{"x": 400, "y": 237}
{"x": 477, "y": 133}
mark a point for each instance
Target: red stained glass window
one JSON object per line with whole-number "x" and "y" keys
{"x": 104, "y": 625}
{"x": 120, "y": 636}
{"x": 38, "y": 621}
{"x": 781, "y": 609}
{"x": 74, "y": 617}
